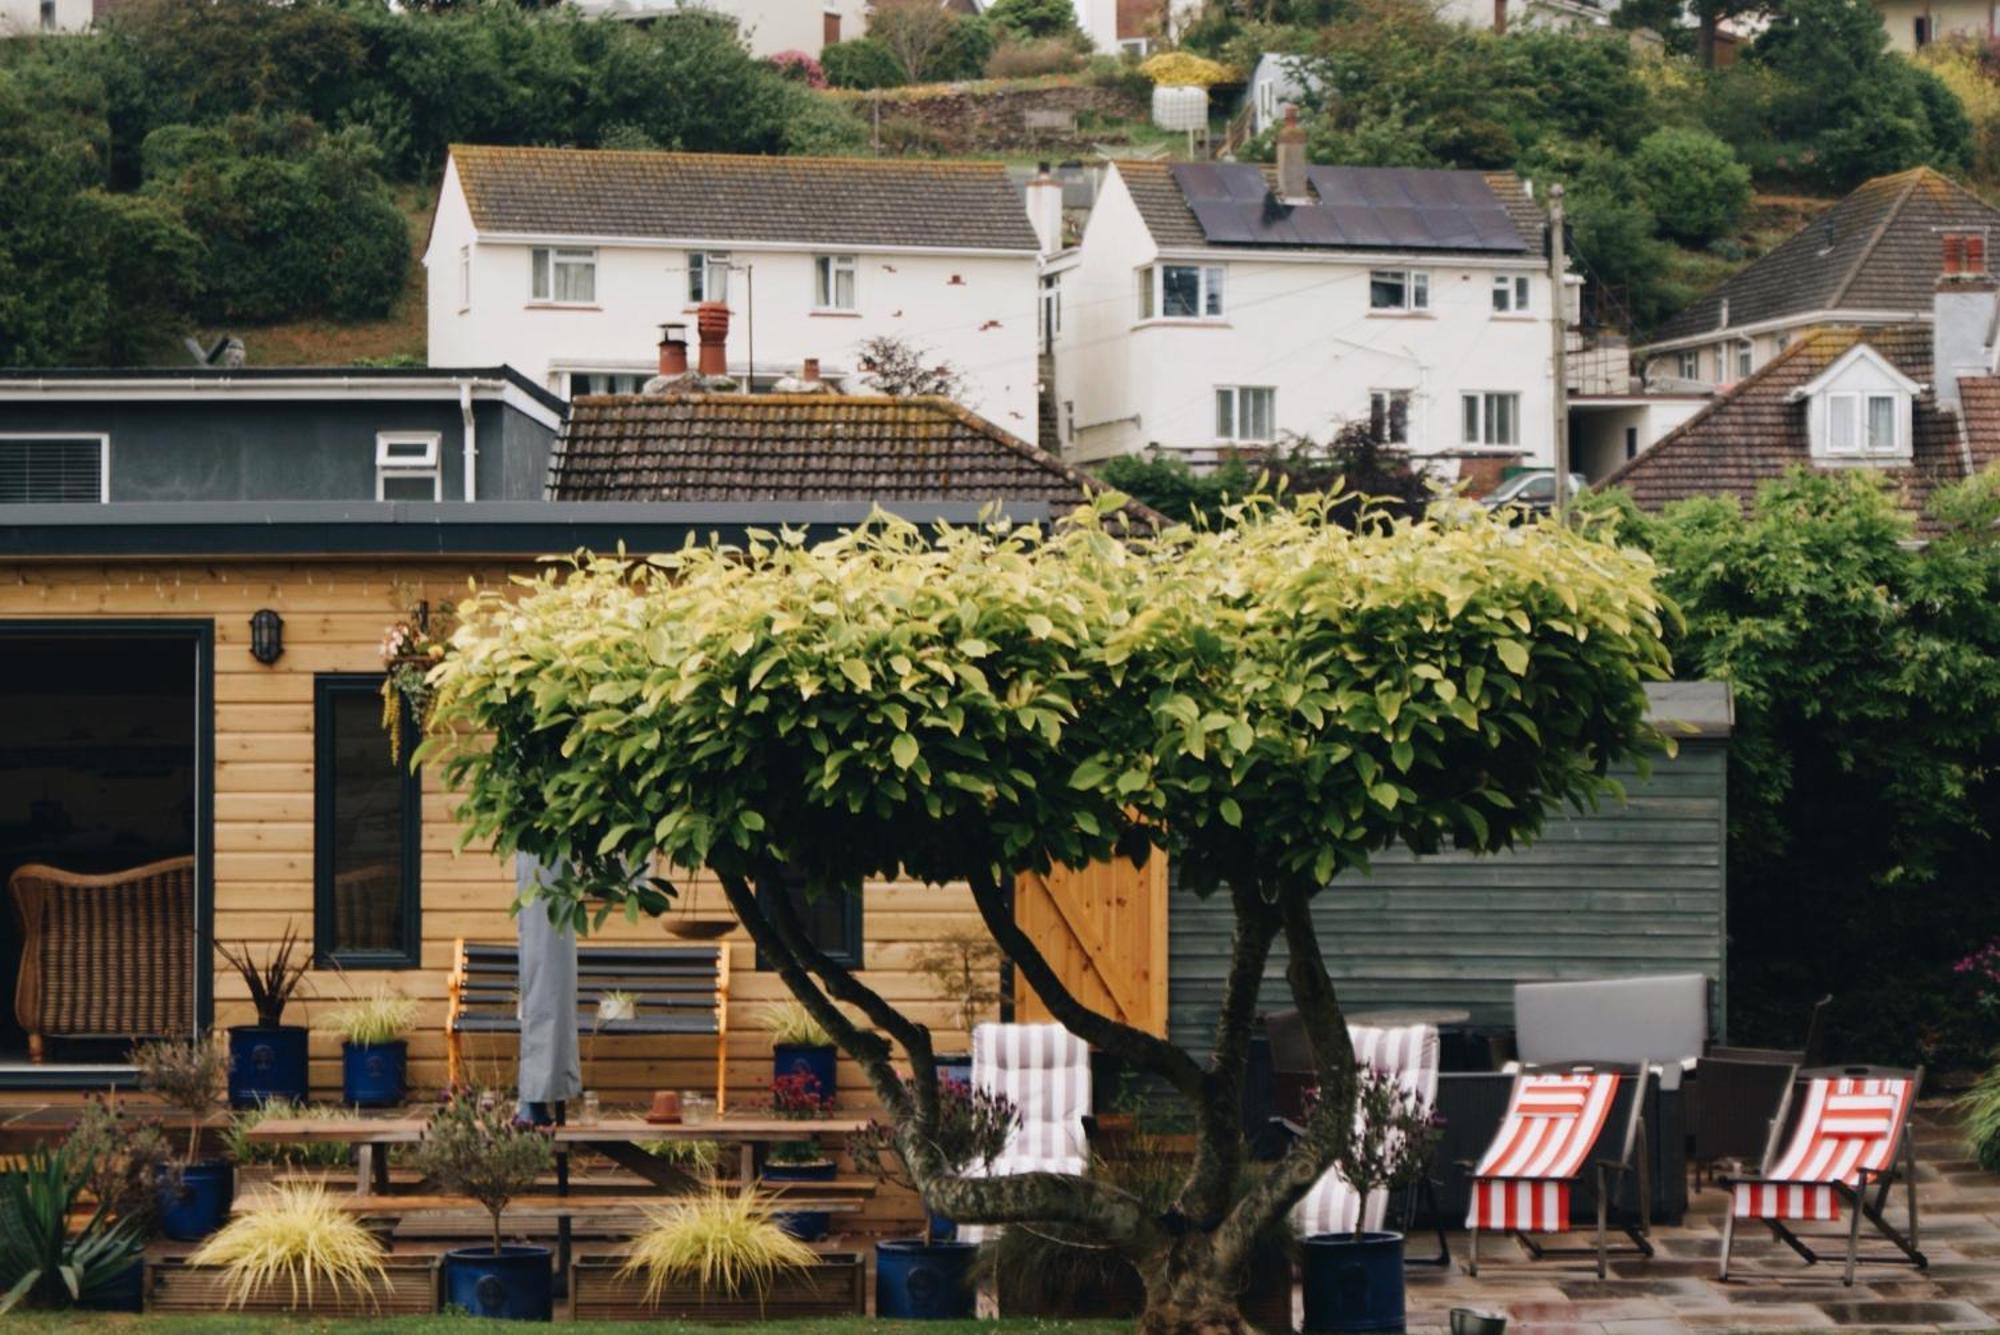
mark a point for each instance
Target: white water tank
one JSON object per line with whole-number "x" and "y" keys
{"x": 1180, "y": 108}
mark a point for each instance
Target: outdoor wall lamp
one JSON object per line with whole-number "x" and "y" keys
{"x": 267, "y": 636}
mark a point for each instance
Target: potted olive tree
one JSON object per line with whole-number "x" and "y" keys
{"x": 926, "y": 1277}
{"x": 475, "y": 1147}
{"x": 801, "y": 1047}
{"x": 374, "y": 1051}
{"x": 1354, "y": 1281}
{"x": 189, "y": 1074}
{"x": 268, "y": 1059}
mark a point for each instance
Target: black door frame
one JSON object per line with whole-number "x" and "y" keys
{"x": 200, "y": 631}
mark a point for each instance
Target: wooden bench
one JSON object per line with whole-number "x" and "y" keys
{"x": 677, "y": 989}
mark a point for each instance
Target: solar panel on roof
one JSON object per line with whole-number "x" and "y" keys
{"x": 1378, "y": 207}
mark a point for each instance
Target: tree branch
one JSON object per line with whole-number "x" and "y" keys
{"x": 1135, "y": 1047}
{"x": 1219, "y": 1148}
{"x": 1331, "y": 1127}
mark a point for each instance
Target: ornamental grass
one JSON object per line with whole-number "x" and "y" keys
{"x": 296, "y": 1235}
{"x": 373, "y": 1020}
{"x": 719, "y": 1239}
{"x": 791, "y": 1022}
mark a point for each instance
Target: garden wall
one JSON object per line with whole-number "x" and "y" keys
{"x": 1052, "y": 115}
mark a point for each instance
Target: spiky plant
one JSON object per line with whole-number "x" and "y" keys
{"x": 373, "y": 1020}
{"x": 791, "y": 1022}
{"x": 41, "y": 1261}
{"x": 719, "y": 1239}
{"x": 296, "y": 1235}
{"x": 273, "y": 979}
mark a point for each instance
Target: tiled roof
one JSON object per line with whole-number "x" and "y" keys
{"x": 1876, "y": 250}
{"x": 1167, "y": 215}
{"x": 1756, "y": 432}
{"x": 720, "y": 197}
{"x": 804, "y": 447}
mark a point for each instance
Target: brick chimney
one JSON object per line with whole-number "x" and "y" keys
{"x": 711, "y": 320}
{"x": 810, "y": 371}
{"x": 673, "y": 350}
{"x": 1963, "y": 308}
{"x": 1045, "y": 209}
{"x": 1292, "y": 160}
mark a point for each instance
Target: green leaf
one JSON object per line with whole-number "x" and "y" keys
{"x": 1514, "y": 654}
{"x": 1386, "y": 794}
{"x": 1091, "y": 773}
{"x": 903, "y": 750}
{"x": 857, "y": 672}
{"x": 1231, "y": 812}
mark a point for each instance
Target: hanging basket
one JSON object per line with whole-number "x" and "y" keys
{"x": 410, "y": 649}
{"x": 699, "y": 929}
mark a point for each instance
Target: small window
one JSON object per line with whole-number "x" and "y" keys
{"x": 1742, "y": 360}
{"x": 406, "y": 466}
{"x": 1245, "y": 413}
{"x": 1399, "y": 290}
{"x": 1389, "y": 415}
{"x": 564, "y": 277}
{"x": 465, "y": 278}
{"x": 1510, "y": 294}
{"x": 54, "y": 470}
{"x": 1864, "y": 424}
{"x": 1687, "y": 365}
{"x": 708, "y": 276}
{"x": 1920, "y": 34}
{"x": 1180, "y": 291}
{"x": 1841, "y": 435}
{"x": 832, "y": 920}
{"x": 367, "y": 831}
{"x": 48, "y": 15}
{"x": 1783, "y": 341}
{"x": 1146, "y": 293}
{"x": 833, "y": 288}
{"x": 1881, "y": 424}
{"x": 1267, "y": 101}
{"x": 1631, "y": 442}
{"x": 605, "y": 382}
{"x": 1492, "y": 419}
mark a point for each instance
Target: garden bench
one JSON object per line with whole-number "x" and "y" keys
{"x": 677, "y": 989}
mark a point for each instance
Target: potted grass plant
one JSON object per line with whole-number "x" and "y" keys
{"x": 927, "y": 1277}
{"x": 800, "y": 1046}
{"x": 1354, "y": 1281}
{"x": 295, "y": 1250}
{"x": 796, "y": 1097}
{"x": 374, "y": 1051}
{"x": 473, "y": 1146}
{"x": 268, "y": 1059}
{"x": 189, "y": 1074}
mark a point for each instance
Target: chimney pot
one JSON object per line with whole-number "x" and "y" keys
{"x": 810, "y": 371}
{"x": 1954, "y": 253}
{"x": 1292, "y": 159}
{"x": 711, "y": 319}
{"x": 673, "y": 350}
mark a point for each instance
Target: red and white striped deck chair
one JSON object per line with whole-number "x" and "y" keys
{"x": 1044, "y": 1071}
{"x": 1554, "y": 1119}
{"x": 1852, "y": 1129}
{"x": 1409, "y": 1056}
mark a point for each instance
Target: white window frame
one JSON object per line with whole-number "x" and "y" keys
{"x": 708, "y": 270}
{"x": 1416, "y": 285}
{"x": 1745, "y": 357}
{"x": 1860, "y": 402}
{"x": 1687, "y": 364}
{"x": 1387, "y": 398}
{"x": 1511, "y": 294}
{"x": 544, "y": 261}
{"x": 1235, "y": 397}
{"x": 103, "y": 440}
{"x": 827, "y": 270}
{"x": 1477, "y": 417}
{"x": 426, "y": 464}
{"x": 1211, "y": 286}
{"x": 464, "y": 279}
{"x": 1267, "y": 102}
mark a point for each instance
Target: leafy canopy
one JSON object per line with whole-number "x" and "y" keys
{"x": 1274, "y": 702}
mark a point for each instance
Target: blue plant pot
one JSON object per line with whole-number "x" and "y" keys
{"x": 813, "y": 1059}
{"x": 1353, "y": 1282}
{"x": 805, "y": 1225}
{"x": 517, "y": 1284}
{"x": 957, "y": 1066}
{"x": 124, "y": 1292}
{"x": 941, "y": 1229}
{"x": 201, "y": 1204}
{"x": 267, "y": 1064}
{"x": 924, "y": 1281}
{"x": 372, "y": 1074}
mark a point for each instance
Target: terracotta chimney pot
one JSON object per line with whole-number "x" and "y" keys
{"x": 711, "y": 320}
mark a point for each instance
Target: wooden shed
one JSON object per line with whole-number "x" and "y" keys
{"x": 1635, "y": 887}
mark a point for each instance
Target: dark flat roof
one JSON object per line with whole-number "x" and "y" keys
{"x": 165, "y": 375}
{"x": 404, "y": 528}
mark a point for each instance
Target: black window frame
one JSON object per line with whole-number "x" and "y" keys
{"x": 327, "y": 686}
{"x": 849, "y": 949}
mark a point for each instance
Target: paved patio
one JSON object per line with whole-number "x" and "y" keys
{"x": 1770, "y": 1288}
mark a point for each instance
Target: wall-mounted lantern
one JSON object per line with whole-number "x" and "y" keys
{"x": 267, "y": 636}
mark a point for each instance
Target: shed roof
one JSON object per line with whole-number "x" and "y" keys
{"x": 722, "y": 197}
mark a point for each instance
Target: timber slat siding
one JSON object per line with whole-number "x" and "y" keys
{"x": 1634, "y": 887}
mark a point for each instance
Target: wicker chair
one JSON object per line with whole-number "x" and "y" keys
{"x": 108, "y": 956}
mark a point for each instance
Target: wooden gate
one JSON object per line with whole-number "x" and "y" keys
{"x": 1104, "y": 931}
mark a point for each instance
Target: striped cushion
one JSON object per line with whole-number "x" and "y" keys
{"x": 1522, "y": 1182}
{"x": 1410, "y": 1056}
{"x": 1044, "y": 1071}
{"x": 1846, "y": 1125}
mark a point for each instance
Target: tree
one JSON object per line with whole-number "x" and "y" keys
{"x": 1270, "y": 704}
{"x": 901, "y": 369}
{"x": 1033, "y": 20}
{"x": 1693, "y": 183}
{"x": 919, "y": 34}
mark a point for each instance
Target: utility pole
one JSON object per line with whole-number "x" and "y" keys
{"x": 1559, "y": 325}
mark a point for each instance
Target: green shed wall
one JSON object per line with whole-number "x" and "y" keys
{"x": 1636, "y": 887}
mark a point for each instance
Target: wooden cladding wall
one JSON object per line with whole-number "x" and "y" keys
{"x": 1104, "y": 931}
{"x": 1633, "y": 888}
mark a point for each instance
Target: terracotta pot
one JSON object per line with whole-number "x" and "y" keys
{"x": 666, "y": 1106}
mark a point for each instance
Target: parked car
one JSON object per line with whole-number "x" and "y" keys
{"x": 1532, "y": 490}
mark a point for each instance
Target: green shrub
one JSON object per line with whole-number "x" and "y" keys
{"x": 1981, "y": 1109}
{"x": 863, "y": 62}
{"x": 1030, "y": 20}
{"x": 1693, "y": 183}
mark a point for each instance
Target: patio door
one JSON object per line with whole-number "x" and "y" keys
{"x": 105, "y": 818}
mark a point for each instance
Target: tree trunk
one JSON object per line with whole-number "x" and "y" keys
{"x": 1705, "y": 39}
{"x": 1188, "y": 1292}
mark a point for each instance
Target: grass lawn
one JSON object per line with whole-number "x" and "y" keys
{"x": 49, "y": 1323}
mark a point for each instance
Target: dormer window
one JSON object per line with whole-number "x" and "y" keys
{"x": 1858, "y": 410}
{"x": 1862, "y": 424}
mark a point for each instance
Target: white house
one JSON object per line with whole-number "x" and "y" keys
{"x": 767, "y": 26}
{"x": 567, "y": 262}
{"x": 18, "y": 17}
{"x": 1914, "y": 24}
{"x": 1218, "y": 307}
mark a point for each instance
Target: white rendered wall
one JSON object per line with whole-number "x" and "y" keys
{"x": 976, "y": 312}
{"x": 1302, "y": 327}
{"x": 25, "y": 16}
